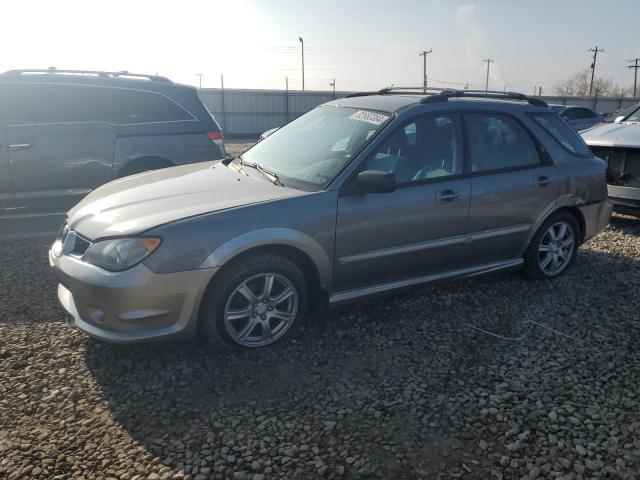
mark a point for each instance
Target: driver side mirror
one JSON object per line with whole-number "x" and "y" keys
{"x": 376, "y": 181}
{"x": 618, "y": 119}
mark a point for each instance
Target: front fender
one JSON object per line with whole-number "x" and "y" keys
{"x": 276, "y": 236}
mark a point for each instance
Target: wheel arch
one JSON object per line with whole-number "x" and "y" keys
{"x": 296, "y": 246}
{"x": 578, "y": 215}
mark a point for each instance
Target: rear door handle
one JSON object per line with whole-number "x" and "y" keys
{"x": 542, "y": 181}
{"x": 448, "y": 196}
{"x": 20, "y": 146}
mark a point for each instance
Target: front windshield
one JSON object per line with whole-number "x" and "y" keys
{"x": 310, "y": 151}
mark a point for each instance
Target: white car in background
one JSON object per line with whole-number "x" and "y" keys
{"x": 618, "y": 144}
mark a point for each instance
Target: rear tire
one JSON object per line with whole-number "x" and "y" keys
{"x": 553, "y": 247}
{"x": 255, "y": 302}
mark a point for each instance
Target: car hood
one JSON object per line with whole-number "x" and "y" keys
{"x": 613, "y": 135}
{"x": 135, "y": 204}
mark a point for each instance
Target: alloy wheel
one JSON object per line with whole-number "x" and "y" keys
{"x": 556, "y": 248}
{"x": 261, "y": 309}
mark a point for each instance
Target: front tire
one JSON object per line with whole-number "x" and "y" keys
{"x": 255, "y": 302}
{"x": 553, "y": 247}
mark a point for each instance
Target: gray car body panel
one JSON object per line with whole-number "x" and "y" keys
{"x": 135, "y": 204}
{"x": 207, "y": 215}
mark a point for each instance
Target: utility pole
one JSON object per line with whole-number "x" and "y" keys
{"x": 489, "y": 62}
{"x": 332, "y": 83}
{"x": 224, "y": 111}
{"x": 200, "y": 75}
{"x": 593, "y": 65}
{"x": 302, "y": 43}
{"x": 540, "y": 91}
{"x": 635, "y": 67}
{"x": 424, "y": 54}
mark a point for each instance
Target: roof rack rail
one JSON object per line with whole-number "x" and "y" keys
{"x": 402, "y": 91}
{"x": 492, "y": 94}
{"x": 98, "y": 73}
{"x": 438, "y": 94}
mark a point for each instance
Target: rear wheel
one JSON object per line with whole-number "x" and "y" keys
{"x": 255, "y": 303}
{"x": 553, "y": 247}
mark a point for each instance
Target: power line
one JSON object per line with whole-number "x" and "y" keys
{"x": 635, "y": 67}
{"x": 424, "y": 54}
{"x": 593, "y": 65}
{"x": 489, "y": 62}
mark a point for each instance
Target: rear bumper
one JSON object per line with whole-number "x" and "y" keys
{"x": 626, "y": 197}
{"x": 130, "y": 306}
{"x": 596, "y": 217}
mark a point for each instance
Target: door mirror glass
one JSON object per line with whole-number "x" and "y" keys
{"x": 376, "y": 181}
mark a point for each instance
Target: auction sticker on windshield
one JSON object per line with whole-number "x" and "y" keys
{"x": 370, "y": 117}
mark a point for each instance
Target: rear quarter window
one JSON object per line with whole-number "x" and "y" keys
{"x": 562, "y": 133}
{"x": 136, "y": 106}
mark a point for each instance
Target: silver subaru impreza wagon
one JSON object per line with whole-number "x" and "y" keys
{"x": 360, "y": 196}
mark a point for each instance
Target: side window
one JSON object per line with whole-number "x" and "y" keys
{"x": 571, "y": 114}
{"x": 31, "y": 103}
{"x": 562, "y": 133}
{"x": 498, "y": 141}
{"x": 48, "y": 103}
{"x": 136, "y": 106}
{"x": 425, "y": 148}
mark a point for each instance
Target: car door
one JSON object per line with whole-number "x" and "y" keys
{"x": 419, "y": 228}
{"x": 60, "y": 146}
{"x": 7, "y": 201}
{"x": 513, "y": 184}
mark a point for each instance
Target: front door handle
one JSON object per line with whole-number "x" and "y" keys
{"x": 448, "y": 196}
{"x": 542, "y": 181}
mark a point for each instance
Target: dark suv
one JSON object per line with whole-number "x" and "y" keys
{"x": 65, "y": 132}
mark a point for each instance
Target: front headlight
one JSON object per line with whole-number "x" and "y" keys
{"x": 119, "y": 254}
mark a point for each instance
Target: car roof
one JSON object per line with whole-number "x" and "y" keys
{"x": 88, "y": 77}
{"x": 393, "y": 103}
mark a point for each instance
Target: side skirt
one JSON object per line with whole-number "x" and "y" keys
{"x": 356, "y": 293}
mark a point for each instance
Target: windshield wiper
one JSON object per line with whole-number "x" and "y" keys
{"x": 237, "y": 167}
{"x": 269, "y": 175}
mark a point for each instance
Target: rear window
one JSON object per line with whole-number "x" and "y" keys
{"x": 562, "y": 132}
{"x": 39, "y": 103}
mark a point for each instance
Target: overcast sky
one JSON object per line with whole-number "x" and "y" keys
{"x": 363, "y": 44}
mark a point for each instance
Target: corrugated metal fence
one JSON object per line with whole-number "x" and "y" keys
{"x": 247, "y": 113}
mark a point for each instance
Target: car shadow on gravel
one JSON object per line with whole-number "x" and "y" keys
{"x": 394, "y": 385}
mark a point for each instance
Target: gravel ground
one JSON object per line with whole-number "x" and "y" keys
{"x": 401, "y": 387}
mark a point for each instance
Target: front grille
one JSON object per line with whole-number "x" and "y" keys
{"x": 623, "y": 165}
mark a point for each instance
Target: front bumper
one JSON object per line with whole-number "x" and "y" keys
{"x": 596, "y": 217}
{"x": 130, "y": 306}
